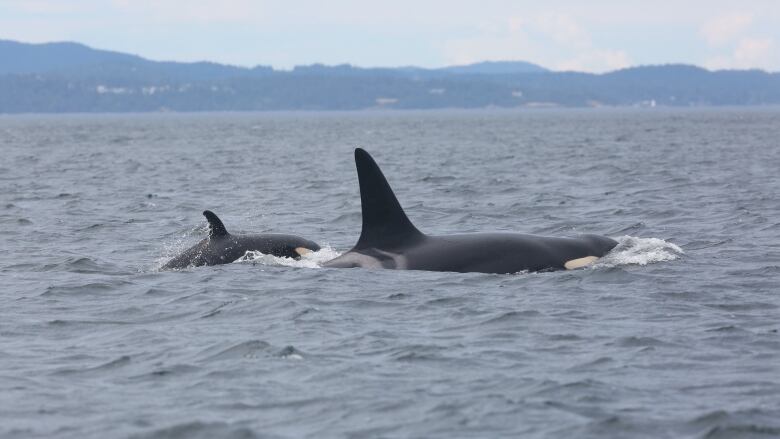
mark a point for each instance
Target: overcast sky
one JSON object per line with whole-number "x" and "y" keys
{"x": 593, "y": 36}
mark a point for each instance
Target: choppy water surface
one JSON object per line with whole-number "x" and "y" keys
{"x": 674, "y": 334}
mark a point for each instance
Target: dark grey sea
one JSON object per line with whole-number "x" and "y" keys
{"x": 674, "y": 334}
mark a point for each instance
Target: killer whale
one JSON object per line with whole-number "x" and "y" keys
{"x": 223, "y": 248}
{"x": 388, "y": 239}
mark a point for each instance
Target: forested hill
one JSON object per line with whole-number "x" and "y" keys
{"x": 70, "y": 77}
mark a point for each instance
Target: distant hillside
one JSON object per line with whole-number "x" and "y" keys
{"x": 496, "y": 68}
{"x": 70, "y": 77}
{"x": 74, "y": 59}
{"x": 38, "y": 58}
{"x": 78, "y": 60}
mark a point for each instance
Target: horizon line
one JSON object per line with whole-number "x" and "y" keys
{"x": 407, "y": 66}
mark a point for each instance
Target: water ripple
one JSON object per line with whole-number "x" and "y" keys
{"x": 672, "y": 334}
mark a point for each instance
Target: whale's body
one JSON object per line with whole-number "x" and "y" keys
{"x": 389, "y": 240}
{"x": 223, "y": 248}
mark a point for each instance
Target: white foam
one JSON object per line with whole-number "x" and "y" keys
{"x": 639, "y": 251}
{"x": 170, "y": 249}
{"x": 309, "y": 260}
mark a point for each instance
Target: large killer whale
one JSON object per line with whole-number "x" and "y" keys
{"x": 223, "y": 248}
{"x": 389, "y": 240}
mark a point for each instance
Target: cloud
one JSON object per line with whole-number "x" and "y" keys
{"x": 553, "y": 40}
{"x": 489, "y": 40}
{"x": 560, "y": 34}
{"x": 748, "y": 53}
{"x": 563, "y": 29}
{"x": 735, "y": 41}
{"x": 595, "y": 60}
{"x": 192, "y": 11}
{"x": 725, "y": 28}
{"x": 42, "y": 7}
{"x": 751, "y": 51}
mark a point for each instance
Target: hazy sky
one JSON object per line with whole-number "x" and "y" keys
{"x": 560, "y": 34}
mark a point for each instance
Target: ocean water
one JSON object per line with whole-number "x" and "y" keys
{"x": 674, "y": 334}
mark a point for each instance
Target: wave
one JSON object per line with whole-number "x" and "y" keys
{"x": 310, "y": 260}
{"x": 176, "y": 244}
{"x": 639, "y": 251}
{"x": 199, "y": 429}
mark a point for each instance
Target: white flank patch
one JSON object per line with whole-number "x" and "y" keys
{"x": 302, "y": 250}
{"x": 579, "y": 263}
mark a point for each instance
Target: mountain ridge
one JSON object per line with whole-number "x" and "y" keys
{"x": 71, "y": 77}
{"x": 20, "y": 58}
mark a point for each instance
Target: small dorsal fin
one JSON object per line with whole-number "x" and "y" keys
{"x": 384, "y": 221}
{"x": 216, "y": 228}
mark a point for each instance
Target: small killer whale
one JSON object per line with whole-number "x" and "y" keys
{"x": 388, "y": 239}
{"x": 223, "y": 248}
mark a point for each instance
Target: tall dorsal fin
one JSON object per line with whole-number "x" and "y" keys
{"x": 216, "y": 228}
{"x": 384, "y": 220}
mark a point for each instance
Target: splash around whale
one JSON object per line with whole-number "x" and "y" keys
{"x": 223, "y": 248}
{"x": 388, "y": 239}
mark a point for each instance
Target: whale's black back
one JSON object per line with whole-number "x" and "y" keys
{"x": 222, "y": 248}
{"x": 388, "y": 239}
